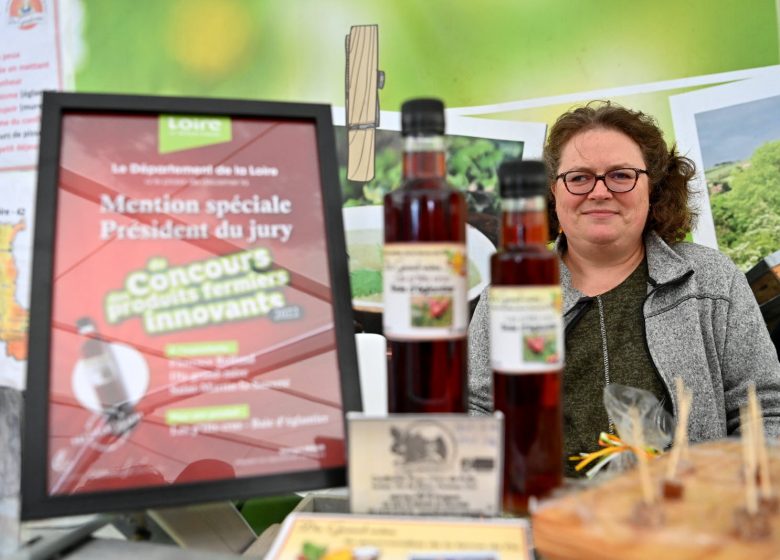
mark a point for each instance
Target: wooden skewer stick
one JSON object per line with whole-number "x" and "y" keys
{"x": 648, "y": 493}
{"x": 685, "y": 454}
{"x": 686, "y": 442}
{"x": 749, "y": 462}
{"x": 759, "y": 438}
{"x": 681, "y": 431}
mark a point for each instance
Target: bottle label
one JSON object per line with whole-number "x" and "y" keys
{"x": 526, "y": 328}
{"x": 425, "y": 291}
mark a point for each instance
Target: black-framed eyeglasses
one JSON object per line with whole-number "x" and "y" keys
{"x": 616, "y": 180}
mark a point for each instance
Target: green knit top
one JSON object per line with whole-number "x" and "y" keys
{"x": 613, "y": 321}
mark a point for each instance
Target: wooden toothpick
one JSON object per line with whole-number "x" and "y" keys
{"x": 681, "y": 431}
{"x": 749, "y": 462}
{"x": 759, "y": 441}
{"x": 648, "y": 493}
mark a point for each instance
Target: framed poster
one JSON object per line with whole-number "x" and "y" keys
{"x": 190, "y": 325}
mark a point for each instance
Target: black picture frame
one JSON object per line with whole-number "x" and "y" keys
{"x": 36, "y": 501}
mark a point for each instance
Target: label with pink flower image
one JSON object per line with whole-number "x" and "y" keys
{"x": 425, "y": 287}
{"x": 526, "y": 328}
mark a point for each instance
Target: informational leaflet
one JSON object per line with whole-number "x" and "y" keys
{"x": 320, "y": 536}
{"x": 28, "y": 65}
{"x": 425, "y": 464}
{"x": 192, "y": 324}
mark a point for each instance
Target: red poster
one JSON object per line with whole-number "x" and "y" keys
{"x": 192, "y": 322}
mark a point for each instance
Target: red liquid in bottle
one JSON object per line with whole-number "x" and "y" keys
{"x": 430, "y": 375}
{"x": 530, "y": 401}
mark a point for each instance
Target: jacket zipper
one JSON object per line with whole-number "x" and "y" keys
{"x": 605, "y": 353}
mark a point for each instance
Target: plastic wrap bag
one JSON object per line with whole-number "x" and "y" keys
{"x": 657, "y": 424}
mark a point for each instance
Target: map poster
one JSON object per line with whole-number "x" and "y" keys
{"x": 16, "y": 234}
{"x": 192, "y": 334}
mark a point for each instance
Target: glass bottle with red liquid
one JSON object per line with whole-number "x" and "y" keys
{"x": 526, "y": 338}
{"x": 425, "y": 316}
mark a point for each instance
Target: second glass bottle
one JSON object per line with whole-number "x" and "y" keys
{"x": 526, "y": 338}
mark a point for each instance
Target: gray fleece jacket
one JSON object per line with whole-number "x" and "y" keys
{"x": 702, "y": 323}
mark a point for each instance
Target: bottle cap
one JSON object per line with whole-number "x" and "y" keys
{"x": 518, "y": 178}
{"x": 422, "y": 116}
{"x": 85, "y": 325}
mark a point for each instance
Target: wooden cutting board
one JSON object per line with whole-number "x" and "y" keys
{"x": 596, "y": 522}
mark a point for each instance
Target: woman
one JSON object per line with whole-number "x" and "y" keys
{"x": 640, "y": 306}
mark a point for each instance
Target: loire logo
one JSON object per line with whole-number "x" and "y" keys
{"x": 184, "y": 132}
{"x": 25, "y": 14}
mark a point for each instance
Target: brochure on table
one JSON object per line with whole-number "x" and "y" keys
{"x": 343, "y": 537}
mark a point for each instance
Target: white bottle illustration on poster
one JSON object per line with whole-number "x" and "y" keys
{"x": 99, "y": 379}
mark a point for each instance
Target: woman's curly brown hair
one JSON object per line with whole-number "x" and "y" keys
{"x": 669, "y": 173}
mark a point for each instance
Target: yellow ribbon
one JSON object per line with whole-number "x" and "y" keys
{"x": 611, "y": 445}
